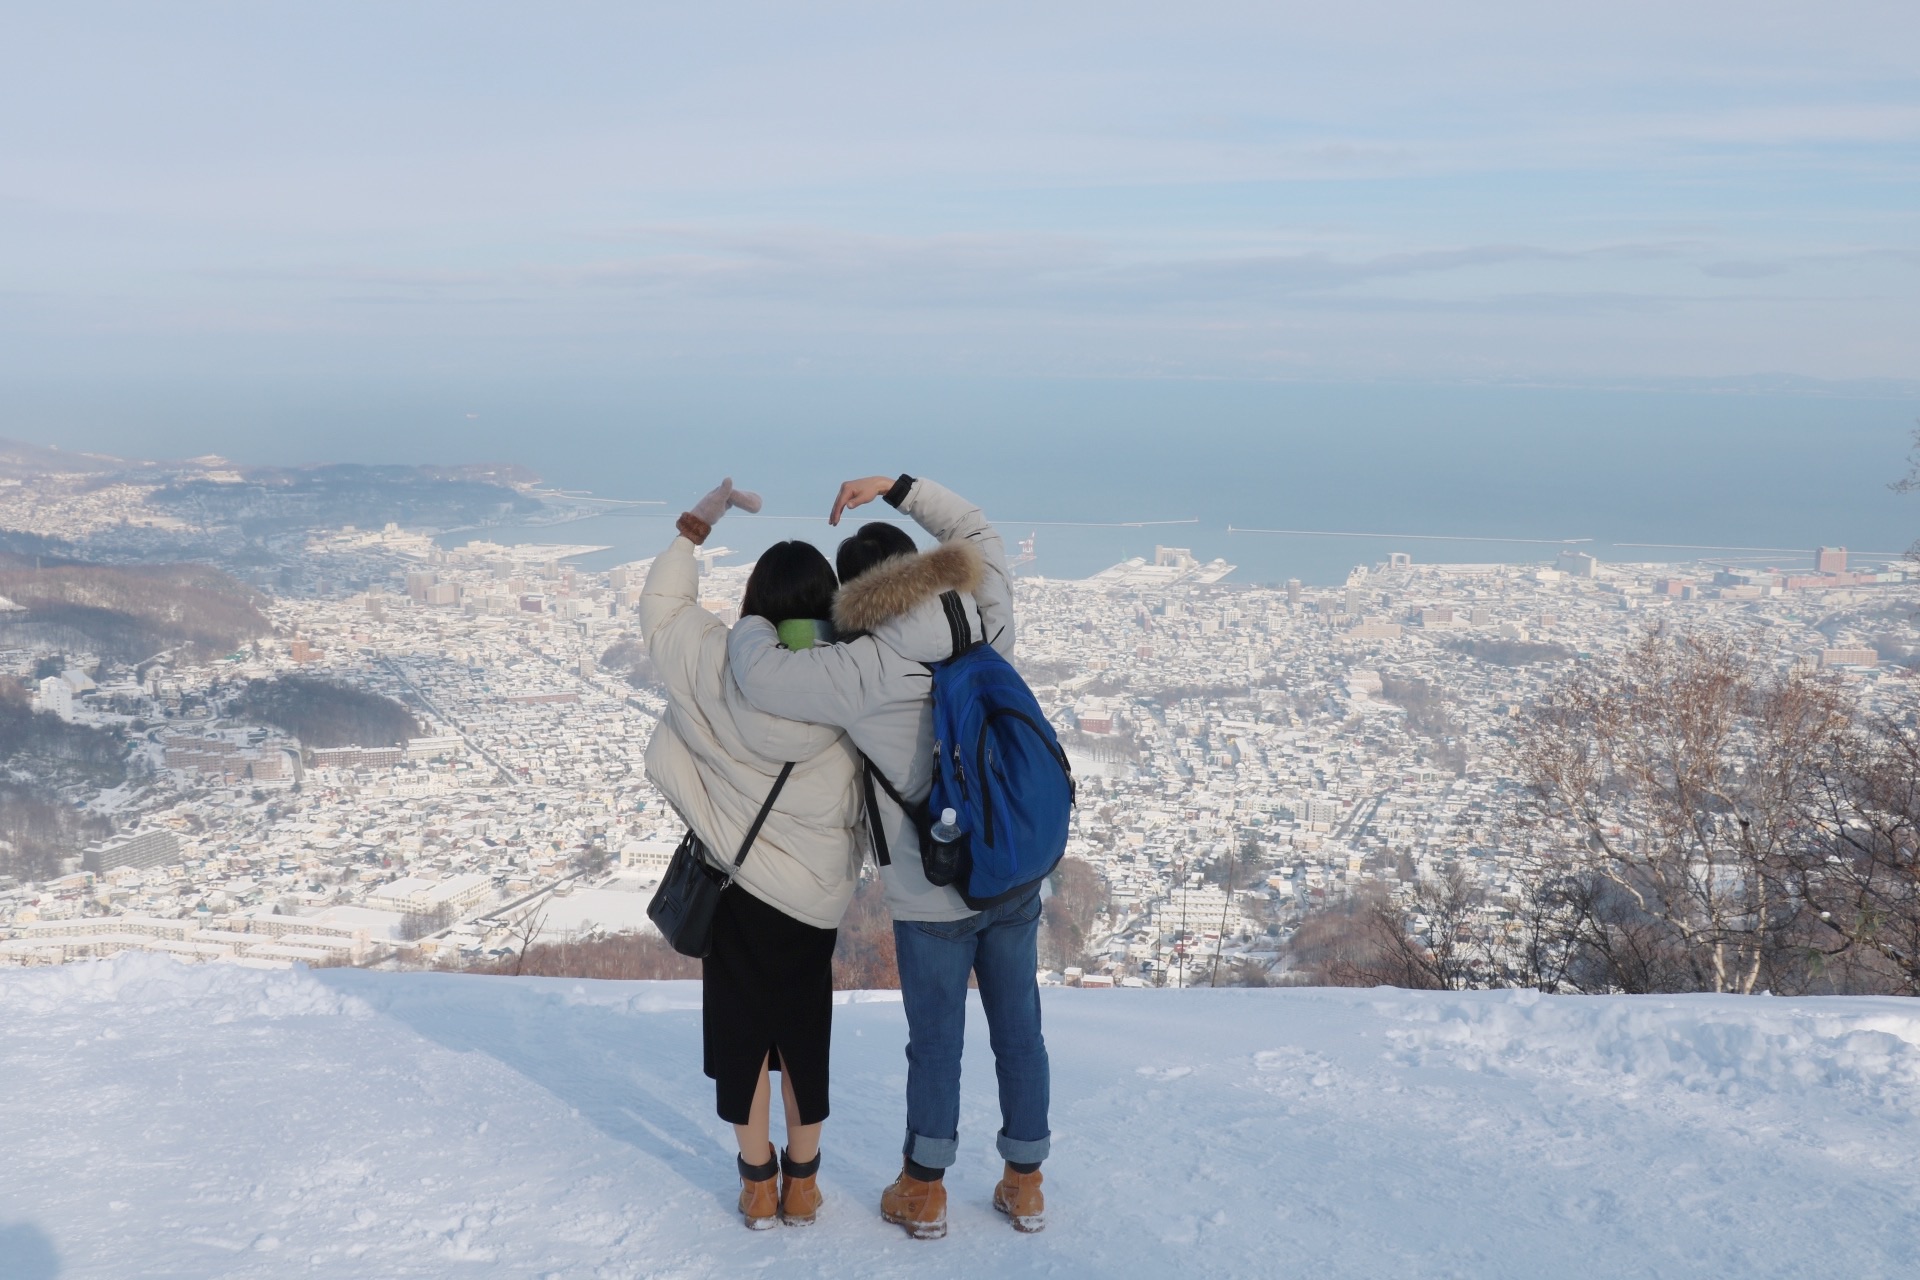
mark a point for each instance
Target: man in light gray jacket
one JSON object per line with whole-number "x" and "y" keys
{"x": 876, "y": 684}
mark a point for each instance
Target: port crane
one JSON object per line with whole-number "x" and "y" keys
{"x": 1026, "y": 555}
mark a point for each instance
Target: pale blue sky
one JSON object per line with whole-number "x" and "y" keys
{"x": 1638, "y": 191}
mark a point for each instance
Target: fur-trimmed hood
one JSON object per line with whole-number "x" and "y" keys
{"x": 891, "y": 590}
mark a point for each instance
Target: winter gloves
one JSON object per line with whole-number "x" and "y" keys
{"x": 696, "y": 524}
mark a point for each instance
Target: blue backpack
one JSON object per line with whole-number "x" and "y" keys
{"x": 998, "y": 765}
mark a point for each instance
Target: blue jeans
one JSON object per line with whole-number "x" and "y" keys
{"x": 999, "y": 947}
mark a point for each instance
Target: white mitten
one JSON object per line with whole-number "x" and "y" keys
{"x": 696, "y": 524}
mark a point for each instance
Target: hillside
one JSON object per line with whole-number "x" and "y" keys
{"x": 128, "y": 613}
{"x": 41, "y": 746}
{"x": 265, "y": 500}
{"x": 219, "y": 1121}
{"x": 38, "y": 829}
{"x": 322, "y": 713}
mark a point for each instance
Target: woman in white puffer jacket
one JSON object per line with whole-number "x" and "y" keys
{"x": 767, "y": 986}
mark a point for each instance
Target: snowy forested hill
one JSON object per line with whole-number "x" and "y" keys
{"x": 160, "y": 1120}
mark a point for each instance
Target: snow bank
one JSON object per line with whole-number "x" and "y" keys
{"x": 164, "y": 1119}
{"x": 1696, "y": 1044}
{"x": 149, "y": 984}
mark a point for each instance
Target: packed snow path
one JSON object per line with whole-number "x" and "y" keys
{"x": 162, "y": 1120}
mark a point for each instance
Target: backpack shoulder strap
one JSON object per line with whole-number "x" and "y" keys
{"x": 917, "y": 814}
{"x": 874, "y": 828}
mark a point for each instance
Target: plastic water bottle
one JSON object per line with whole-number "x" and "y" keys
{"x": 946, "y": 847}
{"x": 947, "y": 830}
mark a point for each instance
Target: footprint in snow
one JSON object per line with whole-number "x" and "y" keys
{"x": 1165, "y": 1073}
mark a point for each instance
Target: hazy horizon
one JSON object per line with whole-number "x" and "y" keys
{"x": 1769, "y": 467}
{"x": 1648, "y": 273}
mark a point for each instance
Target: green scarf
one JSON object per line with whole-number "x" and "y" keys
{"x": 804, "y": 633}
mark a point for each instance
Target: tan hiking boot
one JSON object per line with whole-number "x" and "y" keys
{"x": 799, "y": 1190}
{"x": 759, "y": 1195}
{"x": 920, "y": 1207}
{"x": 1018, "y": 1196}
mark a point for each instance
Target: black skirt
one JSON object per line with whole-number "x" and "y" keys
{"x": 766, "y": 988}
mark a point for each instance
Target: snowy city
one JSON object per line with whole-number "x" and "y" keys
{"x": 1244, "y": 753}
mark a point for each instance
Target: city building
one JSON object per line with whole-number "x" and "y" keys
{"x": 1577, "y": 564}
{"x": 55, "y": 695}
{"x": 415, "y": 894}
{"x": 154, "y": 847}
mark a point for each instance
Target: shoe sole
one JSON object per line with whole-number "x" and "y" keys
{"x": 798, "y": 1220}
{"x": 760, "y": 1224}
{"x": 1028, "y": 1223}
{"x": 919, "y": 1230}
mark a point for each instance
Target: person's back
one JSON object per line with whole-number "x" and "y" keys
{"x": 715, "y": 757}
{"x": 877, "y": 686}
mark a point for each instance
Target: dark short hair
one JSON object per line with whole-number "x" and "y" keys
{"x": 868, "y": 546}
{"x": 790, "y": 580}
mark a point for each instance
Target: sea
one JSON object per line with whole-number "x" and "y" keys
{"x": 1284, "y": 482}
{"x": 1281, "y": 479}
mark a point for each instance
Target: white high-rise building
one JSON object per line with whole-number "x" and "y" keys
{"x": 55, "y": 695}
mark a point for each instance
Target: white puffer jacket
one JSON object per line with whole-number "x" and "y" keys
{"x": 716, "y": 758}
{"x": 879, "y": 686}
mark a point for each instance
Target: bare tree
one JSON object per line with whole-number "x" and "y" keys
{"x": 1079, "y": 895}
{"x": 524, "y": 931}
{"x": 863, "y": 954}
{"x": 624, "y": 956}
{"x": 1339, "y": 945}
{"x": 1448, "y": 905}
{"x": 1860, "y": 877}
{"x": 1680, "y": 776}
{"x": 415, "y": 925}
{"x": 1541, "y": 938}
{"x": 1369, "y": 941}
{"x": 1910, "y": 483}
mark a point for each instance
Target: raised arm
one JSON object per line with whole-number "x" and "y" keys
{"x": 951, "y": 518}
{"x": 671, "y": 619}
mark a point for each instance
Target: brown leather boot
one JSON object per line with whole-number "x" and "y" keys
{"x": 799, "y": 1190}
{"x": 759, "y": 1194}
{"x": 1018, "y": 1196}
{"x": 920, "y": 1207}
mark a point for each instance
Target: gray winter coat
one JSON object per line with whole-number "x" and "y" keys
{"x": 878, "y": 687}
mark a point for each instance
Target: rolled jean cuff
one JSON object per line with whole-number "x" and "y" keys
{"x": 934, "y": 1153}
{"x": 1022, "y": 1150}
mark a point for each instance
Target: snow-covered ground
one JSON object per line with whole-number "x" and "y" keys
{"x": 163, "y": 1120}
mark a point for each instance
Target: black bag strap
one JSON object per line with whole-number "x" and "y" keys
{"x": 753, "y": 832}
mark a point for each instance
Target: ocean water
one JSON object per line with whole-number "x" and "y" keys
{"x": 1748, "y": 465}
{"x": 1444, "y": 474}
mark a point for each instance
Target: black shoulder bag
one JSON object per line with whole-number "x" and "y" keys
{"x": 683, "y": 906}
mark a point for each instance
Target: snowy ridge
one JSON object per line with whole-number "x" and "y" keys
{"x": 167, "y": 1120}
{"x": 1698, "y": 1044}
{"x": 150, "y": 985}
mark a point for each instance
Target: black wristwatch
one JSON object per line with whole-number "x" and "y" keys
{"x": 898, "y": 494}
